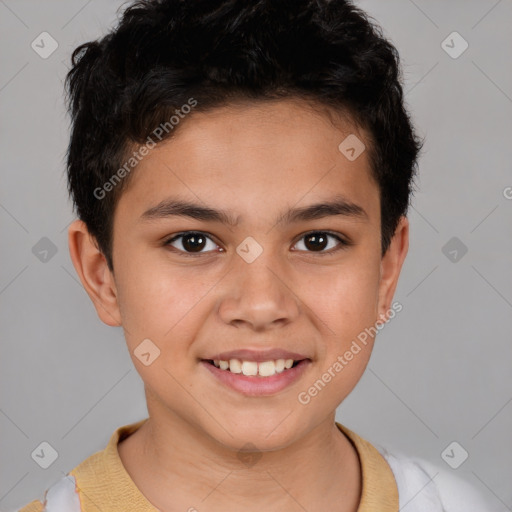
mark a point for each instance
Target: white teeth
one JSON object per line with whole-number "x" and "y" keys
{"x": 252, "y": 368}
{"x": 267, "y": 368}
{"x": 249, "y": 368}
{"x": 235, "y": 366}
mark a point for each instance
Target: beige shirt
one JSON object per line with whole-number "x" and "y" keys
{"x": 102, "y": 481}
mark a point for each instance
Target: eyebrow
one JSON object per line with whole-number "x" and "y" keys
{"x": 176, "y": 207}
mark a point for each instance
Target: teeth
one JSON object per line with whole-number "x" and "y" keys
{"x": 267, "y": 368}
{"x": 235, "y": 366}
{"x": 249, "y": 368}
{"x": 280, "y": 365}
{"x": 252, "y": 368}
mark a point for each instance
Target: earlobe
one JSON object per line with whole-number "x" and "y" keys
{"x": 97, "y": 279}
{"x": 391, "y": 265}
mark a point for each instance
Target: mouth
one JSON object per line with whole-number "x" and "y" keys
{"x": 257, "y": 379}
{"x": 260, "y": 369}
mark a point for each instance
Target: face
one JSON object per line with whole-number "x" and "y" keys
{"x": 273, "y": 274}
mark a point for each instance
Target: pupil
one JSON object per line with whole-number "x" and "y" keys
{"x": 194, "y": 242}
{"x": 316, "y": 240}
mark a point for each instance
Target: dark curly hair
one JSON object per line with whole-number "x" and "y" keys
{"x": 165, "y": 52}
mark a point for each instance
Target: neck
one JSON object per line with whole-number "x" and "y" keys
{"x": 178, "y": 467}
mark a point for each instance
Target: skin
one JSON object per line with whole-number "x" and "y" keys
{"x": 256, "y": 160}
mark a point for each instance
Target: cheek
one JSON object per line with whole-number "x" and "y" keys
{"x": 157, "y": 301}
{"x": 346, "y": 308}
{"x": 163, "y": 307}
{"x": 345, "y": 299}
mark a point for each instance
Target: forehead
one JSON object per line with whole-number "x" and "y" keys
{"x": 254, "y": 157}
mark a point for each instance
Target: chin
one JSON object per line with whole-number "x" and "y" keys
{"x": 267, "y": 435}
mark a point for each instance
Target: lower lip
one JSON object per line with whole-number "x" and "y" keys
{"x": 259, "y": 386}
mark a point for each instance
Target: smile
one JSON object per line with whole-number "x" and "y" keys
{"x": 253, "y": 368}
{"x": 253, "y": 378}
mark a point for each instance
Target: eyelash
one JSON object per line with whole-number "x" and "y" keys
{"x": 342, "y": 245}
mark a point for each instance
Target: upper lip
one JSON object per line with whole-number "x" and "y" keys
{"x": 257, "y": 355}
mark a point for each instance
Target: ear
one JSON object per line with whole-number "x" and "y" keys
{"x": 91, "y": 266}
{"x": 390, "y": 266}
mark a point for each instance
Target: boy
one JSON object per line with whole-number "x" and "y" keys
{"x": 241, "y": 173}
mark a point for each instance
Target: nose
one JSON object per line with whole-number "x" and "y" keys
{"x": 259, "y": 296}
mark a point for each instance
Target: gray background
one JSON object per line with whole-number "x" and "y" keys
{"x": 440, "y": 371}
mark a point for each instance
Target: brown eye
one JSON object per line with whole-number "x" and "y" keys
{"x": 191, "y": 242}
{"x": 194, "y": 243}
{"x": 318, "y": 241}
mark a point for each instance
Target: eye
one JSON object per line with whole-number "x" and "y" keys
{"x": 318, "y": 241}
{"x": 191, "y": 242}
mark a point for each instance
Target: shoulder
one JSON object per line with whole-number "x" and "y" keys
{"x": 100, "y": 478}
{"x": 62, "y": 496}
{"x": 425, "y": 487}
